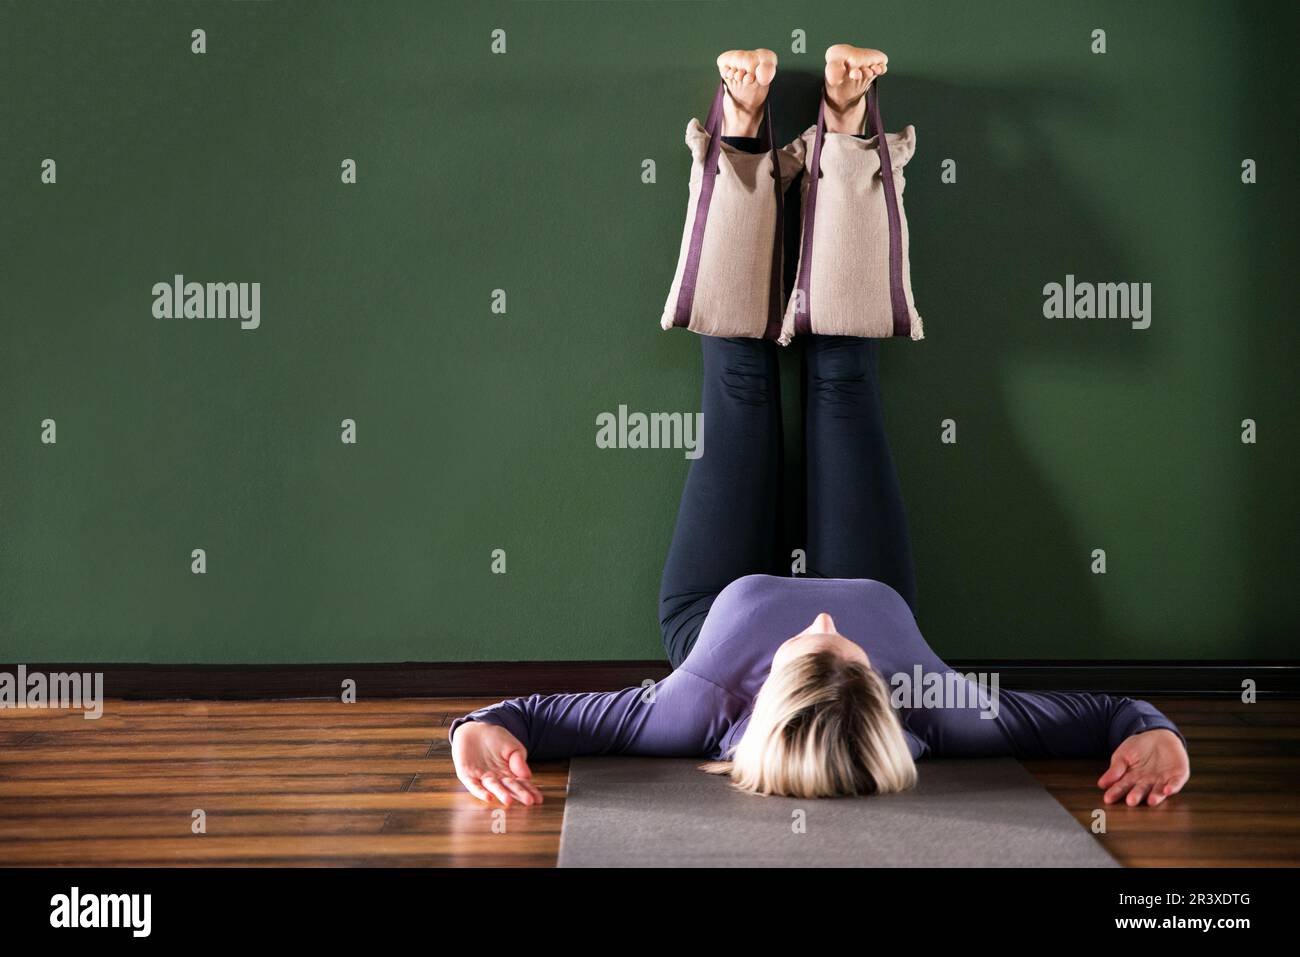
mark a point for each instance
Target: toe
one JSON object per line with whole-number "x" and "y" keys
{"x": 838, "y": 52}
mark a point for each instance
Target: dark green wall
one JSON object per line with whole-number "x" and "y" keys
{"x": 476, "y": 431}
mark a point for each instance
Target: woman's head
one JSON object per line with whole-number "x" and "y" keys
{"x": 822, "y": 724}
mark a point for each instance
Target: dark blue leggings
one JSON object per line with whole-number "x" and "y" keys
{"x": 728, "y": 521}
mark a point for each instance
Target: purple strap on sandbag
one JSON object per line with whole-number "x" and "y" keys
{"x": 897, "y": 296}
{"x": 802, "y": 316}
{"x": 691, "y": 271}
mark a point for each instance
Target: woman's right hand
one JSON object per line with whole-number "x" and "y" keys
{"x": 491, "y": 762}
{"x": 1150, "y": 765}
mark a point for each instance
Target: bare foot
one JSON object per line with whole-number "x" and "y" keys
{"x": 748, "y": 74}
{"x": 849, "y": 71}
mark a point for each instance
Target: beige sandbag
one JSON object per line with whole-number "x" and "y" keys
{"x": 853, "y": 277}
{"x": 729, "y": 269}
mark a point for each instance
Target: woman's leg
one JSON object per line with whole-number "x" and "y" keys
{"x": 856, "y": 524}
{"x": 727, "y": 521}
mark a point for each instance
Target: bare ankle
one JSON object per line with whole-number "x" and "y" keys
{"x": 846, "y": 118}
{"x": 738, "y": 121}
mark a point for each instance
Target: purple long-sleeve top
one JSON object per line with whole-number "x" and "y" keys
{"x": 703, "y": 707}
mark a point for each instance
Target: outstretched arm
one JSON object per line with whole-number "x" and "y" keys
{"x": 681, "y": 716}
{"x": 1067, "y": 724}
{"x": 1148, "y": 753}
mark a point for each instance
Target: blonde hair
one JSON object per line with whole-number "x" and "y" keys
{"x": 822, "y": 726}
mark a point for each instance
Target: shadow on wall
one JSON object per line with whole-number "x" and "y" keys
{"x": 989, "y": 532}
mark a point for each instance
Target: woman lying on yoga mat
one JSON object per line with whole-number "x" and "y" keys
{"x": 787, "y": 681}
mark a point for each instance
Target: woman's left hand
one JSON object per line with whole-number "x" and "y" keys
{"x": 1148, "y": 766}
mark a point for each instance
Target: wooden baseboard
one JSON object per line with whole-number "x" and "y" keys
{"x": 382, "y": 680}
{"x": 1209, "y": 678}
{"x": 503, "y": 679}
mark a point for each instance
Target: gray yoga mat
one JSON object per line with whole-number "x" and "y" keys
{"x": 662, "y": 812}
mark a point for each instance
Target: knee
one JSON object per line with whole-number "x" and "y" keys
{"x": 745, "y": 370}
{"x": 841, "y": 359}
{"x": 842, "y": 372}
{"x": 748, "y": 388}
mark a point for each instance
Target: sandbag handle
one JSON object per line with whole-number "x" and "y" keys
{"x": 691, "y": 271}
{"x": 897, "y": 295}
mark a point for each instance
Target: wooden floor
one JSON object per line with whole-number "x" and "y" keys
{"x": 323, "y": 783}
